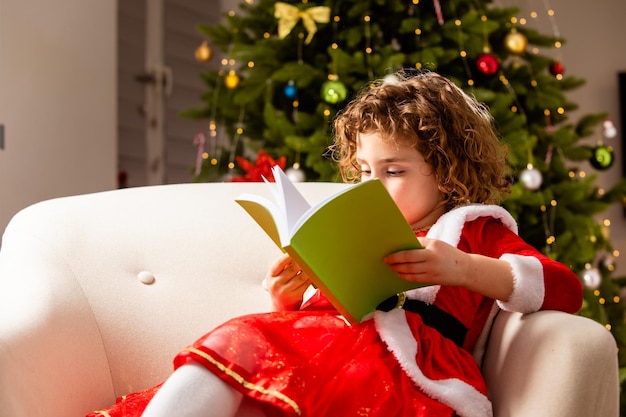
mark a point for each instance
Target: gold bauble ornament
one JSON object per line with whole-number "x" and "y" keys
{"x": 204, "y": 53}
{"x": 231, "y": 80}
{"x": 515, "y": 42}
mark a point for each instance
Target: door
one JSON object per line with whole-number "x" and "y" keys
{"x": 158, "y": 76}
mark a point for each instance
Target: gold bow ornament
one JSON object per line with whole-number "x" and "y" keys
{"x": 288, "y": 15}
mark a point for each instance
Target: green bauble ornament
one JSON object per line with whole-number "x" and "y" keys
{"x": 334, "y": 91}
{"x": 602, "y": 157}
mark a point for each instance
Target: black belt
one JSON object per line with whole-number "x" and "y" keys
{"x": 431, "y": 315}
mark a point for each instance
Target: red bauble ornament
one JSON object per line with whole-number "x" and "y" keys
{"x": 557, "y": 68}
{"x": 487, "y": 63}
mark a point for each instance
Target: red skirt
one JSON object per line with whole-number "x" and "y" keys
{"x": 312, "y": 363}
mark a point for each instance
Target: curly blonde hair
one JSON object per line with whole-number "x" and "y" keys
{"x": 454, "y": 133}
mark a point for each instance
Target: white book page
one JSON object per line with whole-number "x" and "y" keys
{"x": 312, "y": 209}
{"x": 259, "y": 207}
{"x": 289, "y": 199}
{"x": 276, "y": 191}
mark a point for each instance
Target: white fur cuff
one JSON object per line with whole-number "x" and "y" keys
{"x": 528, "y": 287}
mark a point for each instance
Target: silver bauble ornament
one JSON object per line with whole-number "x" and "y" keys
{"x": 295, "y": 173}
{"x": 592, "y": 278}
{"x": 608, "y": 129}
{"x": 531, "y": 178}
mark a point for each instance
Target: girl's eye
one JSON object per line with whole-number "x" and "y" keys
{"x": 393, "y": 173}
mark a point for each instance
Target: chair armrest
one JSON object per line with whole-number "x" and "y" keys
{"x": 551, "y": 364}
{"x": 51, "y": 353}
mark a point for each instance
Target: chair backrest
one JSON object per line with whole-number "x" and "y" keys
{"x": 111, "y": 285}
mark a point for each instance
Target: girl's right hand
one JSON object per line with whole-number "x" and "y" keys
{"x": 286, "y": 284}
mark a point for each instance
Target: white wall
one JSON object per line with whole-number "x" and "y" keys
{"x": 57, "y": 100}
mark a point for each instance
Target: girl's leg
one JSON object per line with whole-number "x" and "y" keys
{"x": 194, "y": 391}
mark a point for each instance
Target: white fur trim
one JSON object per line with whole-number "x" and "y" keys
{"x": 449, "y": 226}
{"x": 528, "y": 289}
{"x": 425, "y": 294}
{"x": 466, "y": 400}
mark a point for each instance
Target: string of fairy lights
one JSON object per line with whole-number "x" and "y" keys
{"x": 487, "y": 63}
{"x": 602, "y": 159}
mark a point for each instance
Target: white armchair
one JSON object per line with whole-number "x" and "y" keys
{"x": 98, "y": 293}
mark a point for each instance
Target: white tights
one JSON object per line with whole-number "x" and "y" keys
{"x": 194, "y": 391}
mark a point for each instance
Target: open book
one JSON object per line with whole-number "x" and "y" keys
{"x": 340, "y": 242}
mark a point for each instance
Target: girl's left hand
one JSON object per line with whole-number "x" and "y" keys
{"x": 286, "y": 284}
{"x": 437, "y": 263}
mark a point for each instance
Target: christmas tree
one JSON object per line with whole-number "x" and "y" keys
{"x": 288, "y": 67}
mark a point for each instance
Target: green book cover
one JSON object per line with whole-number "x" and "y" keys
{"x": 340, "y": 242}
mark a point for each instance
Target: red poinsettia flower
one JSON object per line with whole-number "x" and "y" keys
{"x": 254, "y": 172}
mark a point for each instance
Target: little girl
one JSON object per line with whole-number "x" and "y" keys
{"x": 437, "y": 153}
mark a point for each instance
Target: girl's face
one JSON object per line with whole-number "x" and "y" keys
{"x": 408, "y": 178}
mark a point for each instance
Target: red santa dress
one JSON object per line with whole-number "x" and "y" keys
{"x": 420, "y": 360}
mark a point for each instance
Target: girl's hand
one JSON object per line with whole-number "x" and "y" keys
{"x": 442, "y": 264}
{"x": 437, "y": 263}
{"x": 286, "y": 284}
